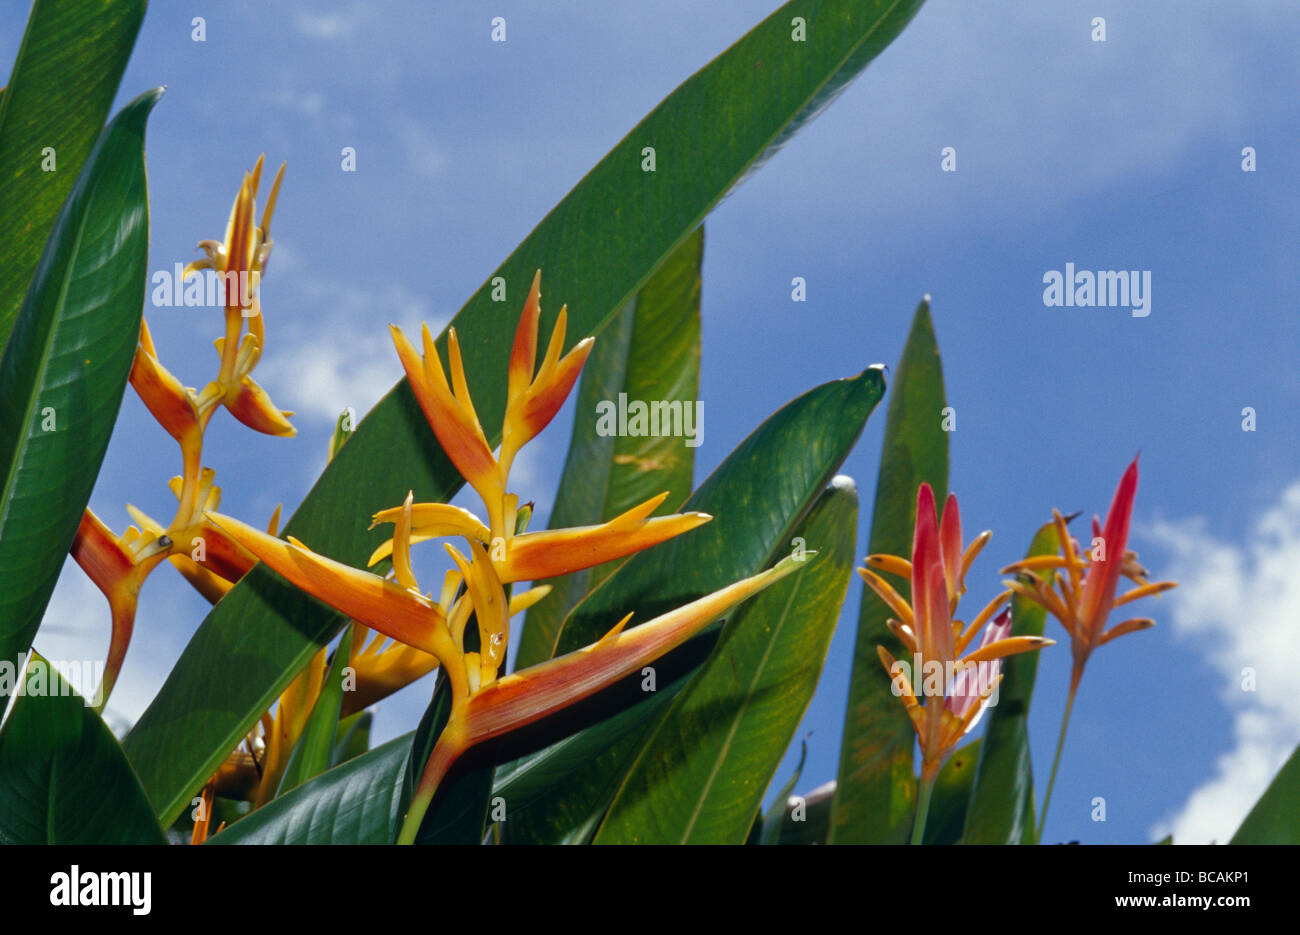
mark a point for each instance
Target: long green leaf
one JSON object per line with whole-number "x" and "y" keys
{"x": 596, "y": 248}
{"x": 1275, "y": 819}
{"x": 66, "y": 366}
{"x": 700, "y": 777}
{"x": 1001, "y": 807}
{"x": 315, "y": 748}
{"x": 63, "y": 777}
{"x": 60, "y": 89}
{"x": 651, "y": 351}
{"x": 355, "y": 803}
{"x": 876, "y": 791}
{"x": 757, "y": 496}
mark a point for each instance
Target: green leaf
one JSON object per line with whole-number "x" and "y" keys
{"x": 1275, "y": 819}
{"x": 952, "y": 792}
{"x": 875, "y": 796}
{"x": 314, "y": 750}
{"x": 531, "y": 785}
{"x": 1001, "y": 807}
{"x": 757, "y": 496}
{"x": 650, "y": 351}
{"x": 353, "y": 737}
{"x": 597, "y": 248}
{"x": 63, "y": 777}
{"x": 770, "y": 832}
{"x": 65, "y": 369}
{"x": 700, "y": 777}
{"x": 60, "y": 89}
{"x": 355, "y": 803}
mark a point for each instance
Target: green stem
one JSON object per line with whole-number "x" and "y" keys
{"x": 1056, "y": 761}
{"x": 444, "y": 753}
{"x": 922, "y": 810}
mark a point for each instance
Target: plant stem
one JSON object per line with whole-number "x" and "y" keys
{"x": 444, "y": 753}
{"x": 922, "y": 809}
{"x": 1056, "y": 761}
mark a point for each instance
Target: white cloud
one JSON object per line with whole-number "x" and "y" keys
{"x": 423, "y": 154}
{"x": 346, "y": 359}
{"x": 1242, "y": 604}
{"x": 317, "y": 25}
{"x": 306, "y": 103}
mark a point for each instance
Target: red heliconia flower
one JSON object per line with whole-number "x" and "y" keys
{"x": 1087, "y": 589}
{"x": 935, "y": 638}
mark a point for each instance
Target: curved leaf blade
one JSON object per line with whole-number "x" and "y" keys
{"x": 61, "y": 87}
{"x": 65, "y": 369}
{"x": 701, "y": 775}
{"x": 650, "y": 351}
{"x": 63, "y": 777}
{"x": 875, "y": 795}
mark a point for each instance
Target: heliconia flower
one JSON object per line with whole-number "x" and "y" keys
{"x": 397, "y": 609}
{"x": 1087, "y": 588}
{"x": 533, "y": 401}
{"x": 534, "y": 556}
{"x": 205, "y": 555}
{"x": 936, "y": 640}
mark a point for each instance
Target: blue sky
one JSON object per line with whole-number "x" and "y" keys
{"x": 1117, "y": 155}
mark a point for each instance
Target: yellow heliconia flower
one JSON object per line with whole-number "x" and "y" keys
{"x": 531, "y": 401}
{"x": 430, "y": 632}
{"x": 208, "y": 558}
{"x": 483, "y": 705}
